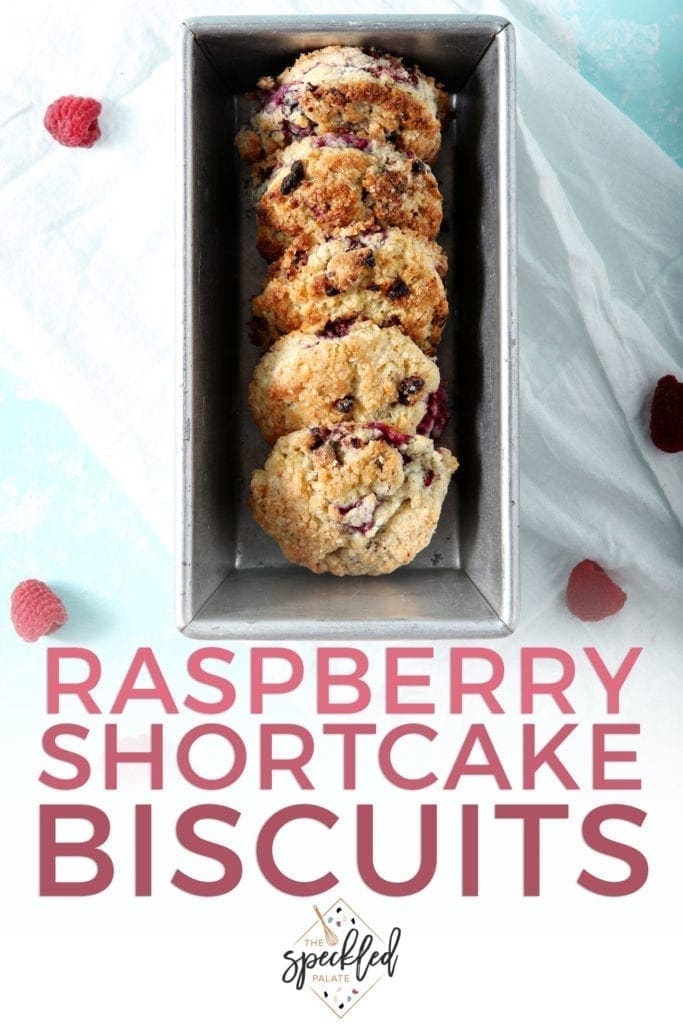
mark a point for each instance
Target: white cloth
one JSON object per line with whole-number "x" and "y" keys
{"x": 87, "y": 281}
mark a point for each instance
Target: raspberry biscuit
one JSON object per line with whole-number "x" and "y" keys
{"x": 392, "y": 277}
{"x": 347, "y": 371}
{"x": 352, "y": 499}
{"x": 344, "y": 89}
{"x": 322, "y": 184}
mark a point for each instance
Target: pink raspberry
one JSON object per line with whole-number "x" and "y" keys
{"x": 72, "y": 121}
{"x": 36, "y": 610}
{"x": 591, "y": 594}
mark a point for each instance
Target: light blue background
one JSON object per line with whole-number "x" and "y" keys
{"x": 631, "y": 50}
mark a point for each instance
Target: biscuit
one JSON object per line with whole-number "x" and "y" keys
{"x": 393, "y": 277}
{"x": 328, "y": 182}
{"x": 351, "y": 499}
{"x": 344, "y": 89}
{"x": 348, "y": 371}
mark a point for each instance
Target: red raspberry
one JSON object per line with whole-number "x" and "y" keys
{"x": 591, "y": 594}
{"x": 72, "y": 121}
{"x": 36, "y": 610}
{"x": 666, "y": 415}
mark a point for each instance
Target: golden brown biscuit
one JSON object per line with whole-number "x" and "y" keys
{"x": 330, "y": 182}
{"x": 348, "y": 371}
{"x": 393, "y": 277}
{"x": 351, "y": 499}
{"x": 344, "y": 89}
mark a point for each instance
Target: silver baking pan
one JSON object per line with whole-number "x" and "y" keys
{"x": 232, "y": 580}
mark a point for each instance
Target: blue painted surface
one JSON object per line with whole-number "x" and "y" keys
{"x": 64, "y": 520}
{"x": 631, "y": 50}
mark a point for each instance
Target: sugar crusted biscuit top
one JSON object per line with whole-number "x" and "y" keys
{"x": 346, "y": 372}
{"x": 346, "y": 89}
{"x": 392, "y": 277}
{"x": 352, "y": 499}
{"x": 323, "y": 184}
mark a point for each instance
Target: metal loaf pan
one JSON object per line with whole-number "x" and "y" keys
{"x": 232, "y": 580}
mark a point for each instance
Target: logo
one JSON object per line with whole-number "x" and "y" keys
{"x": 340, "y": 958}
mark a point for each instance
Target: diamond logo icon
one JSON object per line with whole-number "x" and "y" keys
{"x": 340, "y": 958}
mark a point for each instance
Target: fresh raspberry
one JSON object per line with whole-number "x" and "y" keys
{"x": 72, "y": 121}
{"x": 36, "y": 610}
{"x": 591, "y": 594}
{"x": 666, "y": 415}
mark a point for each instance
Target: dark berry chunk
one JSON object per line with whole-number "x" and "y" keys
{"x": 337, "y": 328}
{"x": 300, "y": 258}
{"x": 394, "y": 437}
{"x": 293, "y": 179}
{"x": 417, "y": 167}
{"x": 331, "y": 290}
{"x": 344, "y": 404}
{"x": 365, "y": 522}
{"x": 355, "y": 141}
{"x": 409, "y": 388}
{"x": 258, "y": 329}
{"x": 429, "y": 478}
{"x": 295, "y": 131}
{"x": 369, "y": 260}
{"x": 345, "y": 509}
{"x": 276, "y": 98}
{"x": 398, "y": 289}
{"x": 435, "y": 419}
{"x": 666, "y": 415}
{"x": 318, "y": 437}
{"x": 373, "y": 287}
